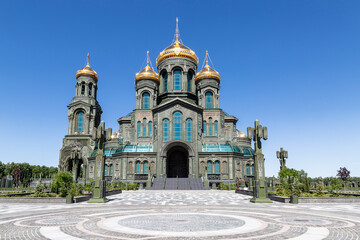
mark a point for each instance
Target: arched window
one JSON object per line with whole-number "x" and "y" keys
{"x": 204, "y": 128}
{"x": 82, "y": 88}
{"x": 216, "y": 127}
{"x": 139, "y": 128}
{"x": 252, "y": 170}
{"x": 105, "y": 170}
{"x": 80, "y": 122}
{"x": 189, "y": 78}
{"x": 150, "y": 128}
{"x": 90, "y": 89}
{"x": 144, "y": 127}
{"x": 146, "y": 101}
{"x": 137, "y": 167}
{"x": 209, "y": 166}
{"x": 111, "y": 170}
{"x": 145, "y": 167}
{"x": 177, "y": 125}
{"x": 247, "y": 169}
{"x": 166, "y": 130}
{"x": 165, "y": 79}
{"x": 217, "y": 167}
{"x": 188, "y": 130}
{"x": 210, "y": 127}
{"x": 177, "y": 80}
{"x": 209, "y": 100}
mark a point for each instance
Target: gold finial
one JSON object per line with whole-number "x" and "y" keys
{"x": 177, "y": 29}
{"x": 147, "y": 59}
{"x": 88, "y": 59}
{"x": 207, "y": 60}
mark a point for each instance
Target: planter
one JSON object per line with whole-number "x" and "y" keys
{"x": 294, "y": 199}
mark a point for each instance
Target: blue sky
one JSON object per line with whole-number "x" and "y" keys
{"x": 294, "y": 65}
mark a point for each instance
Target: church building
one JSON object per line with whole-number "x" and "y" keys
{"x": 177, "y": 129}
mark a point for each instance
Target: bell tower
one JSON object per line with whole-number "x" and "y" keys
{"x": 84, "y": 114}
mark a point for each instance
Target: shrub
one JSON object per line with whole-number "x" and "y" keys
{"x": 319, "y": 190}
{"x": 76, "y": 189}
{"x": 62, "y": 183}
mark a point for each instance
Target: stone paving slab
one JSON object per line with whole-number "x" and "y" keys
{"x": 179, "y": 215}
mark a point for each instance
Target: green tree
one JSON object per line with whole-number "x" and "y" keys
{"x": 62, "y": 183}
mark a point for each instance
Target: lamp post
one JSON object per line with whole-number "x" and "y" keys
{"x": 260, "y": 188}
{"x": 281, "y": 155}
{"x": 100, "y": 135}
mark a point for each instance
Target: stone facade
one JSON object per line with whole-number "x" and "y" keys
{"x": 176, "y": 130}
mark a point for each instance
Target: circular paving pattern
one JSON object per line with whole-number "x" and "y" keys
{"x": 180, "y": 219}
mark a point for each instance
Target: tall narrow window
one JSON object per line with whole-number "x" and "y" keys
{"x": 90, "y": 89}
{"x": 111, "y": 170}
{"x": 204, "y": 128}
{"x": 252, "y": 170}
{"x": 105, "y": 170}
{"x": 247, "y": 169}
{"x": 177, "y": 125}
{"x": 139, "y": 128}
{"x": 150, "y": 128}
{"x": 138, "y": 167}
{"x": 189, "y": 76}
{"x": 146, "y": 101}
{"x": 209, "y": 100}
{"x": 177, "y": 80}
{"x": 217, "y": 167}
{"x": 145, "y": 167}
{"x": 209, "y": 166}
{"x": 144, "y": 127}
{"x": 210, "y": 127}
{"x": 82, "y": 88}
{"x": 80, "y": 121}
{"x": 165, "y": 79}
{"x": 188, "y": 130}
{"x": 216, "y": 127}
{"x": 166, "y": 130}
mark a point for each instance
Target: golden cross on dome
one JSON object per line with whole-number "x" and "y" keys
{"x": 88, "y": 59}
{"x": 206, "y": 58}
{"x": 147, "y": 58}
{"x": 177, "y": 29}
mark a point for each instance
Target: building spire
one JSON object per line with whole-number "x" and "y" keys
{"x": 177, "y": 30}
{"x": 88, "y": 60}
{"x": 147, "y": 58}
{"x": 206, "y": 58}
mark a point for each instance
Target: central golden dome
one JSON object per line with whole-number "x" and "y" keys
{"x": 177, "y": 49}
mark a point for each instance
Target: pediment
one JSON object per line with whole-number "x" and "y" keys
{"x": 176, "y": 103}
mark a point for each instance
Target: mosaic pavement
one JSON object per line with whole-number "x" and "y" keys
{"x": 179, "y": 215}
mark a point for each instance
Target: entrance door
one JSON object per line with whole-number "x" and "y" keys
{"x": 177, "y": 163}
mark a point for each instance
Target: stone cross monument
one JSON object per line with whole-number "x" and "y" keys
{"x": 281, "y": 155}
{"x": 100, "y": 135}
{"x": 260, "y": 188}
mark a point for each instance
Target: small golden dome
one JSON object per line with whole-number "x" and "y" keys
{"x": 87, "y": 70}
{"x": 147, "y": 72}
{"x": 177, "y": 49}
{"x": 207, "y": 72}
{"x": 240, "y": 134}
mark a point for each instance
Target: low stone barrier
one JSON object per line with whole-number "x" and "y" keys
{"x": 307, "y": 199}
{"x": 51, "y": 200}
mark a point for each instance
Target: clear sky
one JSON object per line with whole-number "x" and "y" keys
{"x": 294, "y": 65}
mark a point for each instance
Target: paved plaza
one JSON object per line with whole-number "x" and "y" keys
{"x": 179, "y": 215}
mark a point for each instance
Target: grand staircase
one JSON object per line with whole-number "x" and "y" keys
{"x": 177, "y": 184}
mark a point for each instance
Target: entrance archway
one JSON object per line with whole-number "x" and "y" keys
{"x": 177, "y": 164}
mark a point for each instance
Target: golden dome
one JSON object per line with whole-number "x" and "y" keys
{"x": 147, "y": 72}
{"x": 177, "y": 49}
{"x": 87, "y": 70}
{"x": 207, "y": 72}
{"x": 240, "y": 134}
